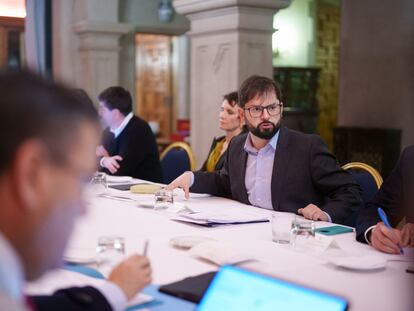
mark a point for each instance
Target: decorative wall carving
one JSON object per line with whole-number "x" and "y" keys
{"x": 222, "y": 49}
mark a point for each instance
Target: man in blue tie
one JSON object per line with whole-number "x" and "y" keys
{"x": 276, "y": 168}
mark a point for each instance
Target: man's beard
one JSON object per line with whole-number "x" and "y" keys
{"x": 266, "y": 133}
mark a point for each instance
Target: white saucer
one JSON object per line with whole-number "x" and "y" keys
{"x": 81, "y": 256}
{"x": 368, "y": 262}
{"x": 187, "y": 242}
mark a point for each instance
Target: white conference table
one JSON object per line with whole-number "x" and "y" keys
{"x": 390, "y": 288}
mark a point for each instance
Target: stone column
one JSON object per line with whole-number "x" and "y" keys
{"x": 86, "y": 45}
{"x": 99, "y": 54}
{"x": 230, "y": 40}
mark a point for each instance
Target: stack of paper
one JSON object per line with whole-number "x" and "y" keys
{"x": 222, "y": 218}
{"x": 118, "y": 179}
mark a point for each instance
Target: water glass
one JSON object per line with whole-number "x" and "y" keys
{"x": 110, "y": 251}
{"x": 303, "y": 232}
{"x": 163, "y": 199}
{"x": 281, "y": 227}
{"x": 98, "y": 183}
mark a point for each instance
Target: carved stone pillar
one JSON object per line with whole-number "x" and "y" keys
{"x": 230, "y": 40}
{"x": 99, "y": 54}
{"x": 86, "y": 47}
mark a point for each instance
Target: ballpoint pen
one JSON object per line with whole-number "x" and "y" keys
{"x": 384, "y": 219}
{"x": 144, "y": 252}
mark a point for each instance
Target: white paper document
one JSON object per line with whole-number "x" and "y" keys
{"x": 220, "y": 218}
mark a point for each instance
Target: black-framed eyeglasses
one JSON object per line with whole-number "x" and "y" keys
{"x": 272, "y": 110}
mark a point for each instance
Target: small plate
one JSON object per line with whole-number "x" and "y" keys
{"x": 368, "y": 262}
{"x": 146, "y": 204}
{"x": 82, "y": 256}
{"x": 187, "y": 242}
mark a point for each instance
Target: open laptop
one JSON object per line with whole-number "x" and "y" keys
{"x": 238, "y": 289}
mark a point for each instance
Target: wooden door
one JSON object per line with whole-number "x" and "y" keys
{"x": 11, "y": 42}
{"x": 153, "y": 81}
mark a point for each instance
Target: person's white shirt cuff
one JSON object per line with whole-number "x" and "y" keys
{"x": 329, "y": 217}
{"x": 114, "y": 295}
{"x": 192, "y": 178}
{"x": 101, "y": 162}
{"x": 366, "y": 234}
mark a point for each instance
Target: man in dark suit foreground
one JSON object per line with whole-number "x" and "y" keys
{"x": 396, "y": 198}
{"x": 276, "y": 168}
{"x": 41, "y": 187}
{"x": 128, "y": 146}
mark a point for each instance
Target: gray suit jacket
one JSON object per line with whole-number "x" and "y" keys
{"x": 304, "y": 172}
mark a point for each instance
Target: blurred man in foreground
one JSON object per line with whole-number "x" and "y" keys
{"x": 41, "y": 187}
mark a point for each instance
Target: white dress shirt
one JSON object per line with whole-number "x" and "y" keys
{"x": 12, "y": 279}
{"x": 259, "y": 171}
{"x": 11, "y": 271}
{"x": 121, "y": 127}
{"x": 118, "y": 132}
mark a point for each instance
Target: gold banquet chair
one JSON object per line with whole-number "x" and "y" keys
{"x": 175, "y": 160}
{"x": 368, "y": 179}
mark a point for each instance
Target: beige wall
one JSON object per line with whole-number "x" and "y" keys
{"x": 377, "y": 65}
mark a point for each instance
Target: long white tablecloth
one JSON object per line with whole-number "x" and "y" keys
{"x": 386, "y": 289}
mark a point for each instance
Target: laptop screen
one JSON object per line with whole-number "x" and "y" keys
{"x": 237, "y": 289}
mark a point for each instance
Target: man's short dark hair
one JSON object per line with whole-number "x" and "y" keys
{"x": 116, "y": 97}
{"x": 32, "y": 107}
{"x": 257, "y": 86}
{"x": 232, "y": 98}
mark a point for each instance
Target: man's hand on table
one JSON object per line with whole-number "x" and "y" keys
{"x": 387, "y": 240}
{"x": 111, "y": 163}
{"x": 313, "y": 212}
{"x": 183, "y": 181}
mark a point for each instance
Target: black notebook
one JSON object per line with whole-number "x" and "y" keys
{"x": 192, "y": 288}
{"x": 123, "y": 187}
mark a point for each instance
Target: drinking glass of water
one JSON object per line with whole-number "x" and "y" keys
{"x": 110, "y": 251}
{"x": 302, "y": 233}
{"x": 163, "y": 199}
{"x": 281, "y": 227}
{"x": 98, "y": 183}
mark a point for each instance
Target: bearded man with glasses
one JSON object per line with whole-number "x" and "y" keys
{"x": 276, "y": 168}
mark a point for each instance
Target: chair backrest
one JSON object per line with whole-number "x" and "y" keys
{"x": 175, "y": 160}
{"x": 369, "y": 180}
{"x": 367, "y": 177}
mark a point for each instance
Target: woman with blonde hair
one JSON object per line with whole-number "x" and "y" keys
{"x": 231, "y": 122}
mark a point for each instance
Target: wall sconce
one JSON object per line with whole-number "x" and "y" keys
{"x": 165, "y": 11}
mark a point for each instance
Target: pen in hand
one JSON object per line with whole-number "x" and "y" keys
{"x": 384, "y": 219}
